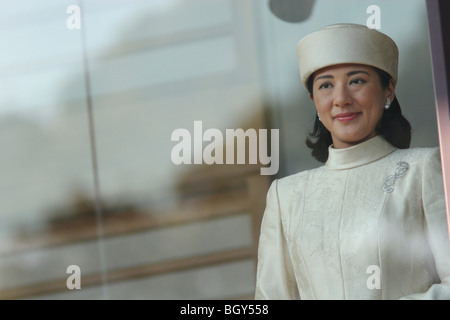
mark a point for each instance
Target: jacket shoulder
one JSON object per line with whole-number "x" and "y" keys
{"x": 418, "y": 154}
{"x": 295, "y": 182}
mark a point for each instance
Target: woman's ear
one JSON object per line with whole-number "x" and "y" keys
{"x": 390, "y": 90}
{"x": 311, "y": 97}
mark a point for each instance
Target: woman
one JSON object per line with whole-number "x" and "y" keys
{"x": 371, "y": 222}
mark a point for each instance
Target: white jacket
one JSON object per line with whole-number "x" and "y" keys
{"x": 369, "y": 224}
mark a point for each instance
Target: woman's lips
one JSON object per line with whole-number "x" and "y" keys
{"x": 348, "y": 116}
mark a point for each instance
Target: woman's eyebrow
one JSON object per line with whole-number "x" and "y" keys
{"x": 326, "y": 76}
{"x": 351, "y": 73}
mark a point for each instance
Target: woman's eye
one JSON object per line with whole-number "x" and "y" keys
{"x": 357, "y": 81}
{"x": 325, "y": 85}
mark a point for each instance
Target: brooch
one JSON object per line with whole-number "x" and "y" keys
{"x": 388, "y": 185}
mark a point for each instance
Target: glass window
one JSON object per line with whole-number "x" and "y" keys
{"x": 100, "y": 104}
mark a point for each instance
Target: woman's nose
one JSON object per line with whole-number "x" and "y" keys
{"x": 341, "y": 96}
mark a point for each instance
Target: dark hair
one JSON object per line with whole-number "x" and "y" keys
{"x": 393, "y": 126}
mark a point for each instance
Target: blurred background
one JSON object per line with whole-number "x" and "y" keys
{"x": 86, "y": 117}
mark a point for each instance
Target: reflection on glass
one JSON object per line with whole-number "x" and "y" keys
{"x": 169, "y": 232}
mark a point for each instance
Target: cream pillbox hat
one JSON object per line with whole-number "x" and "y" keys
{"x": 346, "y": 43}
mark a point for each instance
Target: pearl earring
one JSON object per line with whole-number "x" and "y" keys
{"x": 319, "y": 117}
{"x": 388, "y": 103}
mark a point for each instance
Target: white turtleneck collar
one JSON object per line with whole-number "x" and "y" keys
{"x": 360, "y": 154}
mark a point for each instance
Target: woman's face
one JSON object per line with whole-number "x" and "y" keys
{"x": 350, "y": 101}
